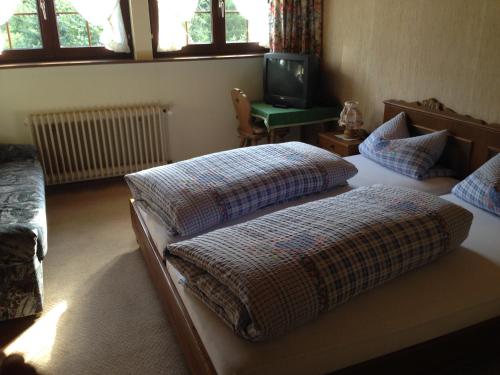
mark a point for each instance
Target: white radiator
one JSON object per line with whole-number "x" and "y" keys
{"x": 100, "y": 142}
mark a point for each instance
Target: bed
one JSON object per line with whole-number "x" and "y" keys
{"x": 376, "y": 329}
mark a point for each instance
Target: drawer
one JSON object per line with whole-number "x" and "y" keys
{"x": 343, "y": 148}
{"x": 327, "y": 144}
{"x": 330, "y": 145}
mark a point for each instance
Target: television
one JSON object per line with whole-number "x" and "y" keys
{"x": 290, "y": 80}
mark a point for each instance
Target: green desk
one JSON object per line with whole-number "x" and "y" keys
{"x": 276, "y": 118}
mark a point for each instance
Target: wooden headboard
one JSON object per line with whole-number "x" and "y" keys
{"x": 471, "y": 142}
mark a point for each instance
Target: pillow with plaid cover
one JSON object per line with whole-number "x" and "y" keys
{"x": 482, "y": 188}
{"x": 391, "y": 146}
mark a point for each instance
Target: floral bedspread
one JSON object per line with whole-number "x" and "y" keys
{"x": 23, "y": 231}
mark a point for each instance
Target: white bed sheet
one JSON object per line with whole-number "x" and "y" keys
{"x": 458, "y": 290}
{"x": 371, "y": 173}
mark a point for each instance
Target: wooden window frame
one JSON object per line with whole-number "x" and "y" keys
{"x": 51, "y": 50}
{"x": 218, "y": 47}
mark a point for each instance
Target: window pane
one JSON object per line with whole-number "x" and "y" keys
{"x": 95, "y": 34}
{"x": 27, "y": 6}
{"x": 4, "y": 36}
{"x": 74, "y": 31}
{"x": 236, "y": 28}
{"x": 64, "y": 6}
{"x": 230, "y": 5}
{"x": 200, "y": 29}
{"x": 253, "y": 27}
{"x": 24, "y": 32}
{"x": 23, "y": 29}
{"x": 205, "y": 5}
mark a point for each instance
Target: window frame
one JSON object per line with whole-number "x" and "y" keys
{"x": 218, "y": 47}
{"x": 51, "y": 50}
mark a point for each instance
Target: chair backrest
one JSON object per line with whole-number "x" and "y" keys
{"x": 243, "y": 109}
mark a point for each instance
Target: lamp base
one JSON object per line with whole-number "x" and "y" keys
{"x": 350, "y": 133}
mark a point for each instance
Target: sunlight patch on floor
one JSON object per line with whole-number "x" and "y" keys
{"x": 36, "y": 343}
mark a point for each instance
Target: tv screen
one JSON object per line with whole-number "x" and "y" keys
{"x": 285, "y": 78}
{"x": 290, "y": 80}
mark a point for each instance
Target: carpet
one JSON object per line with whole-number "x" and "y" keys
{"x": 102, "y": 315}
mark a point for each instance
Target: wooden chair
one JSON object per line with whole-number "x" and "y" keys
{"x": 250, "y": 131}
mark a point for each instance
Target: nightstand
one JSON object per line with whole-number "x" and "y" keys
{"x": 342, "y": 147}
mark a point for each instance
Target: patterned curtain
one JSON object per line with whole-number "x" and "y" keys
{"x": 296, "y": 26}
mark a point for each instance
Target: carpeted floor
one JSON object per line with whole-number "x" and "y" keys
{"x": 113, "y": 323}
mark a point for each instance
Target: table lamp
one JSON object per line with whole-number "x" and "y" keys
{"x": 351, "y": 119}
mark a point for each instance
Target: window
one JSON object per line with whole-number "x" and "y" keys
{"x": 236, "y": 25}
{"x": 54, "y": 30}
{"x": 209, "y": 27}
{"x": 73, "y": 30}
{"x": 22, "y": 30}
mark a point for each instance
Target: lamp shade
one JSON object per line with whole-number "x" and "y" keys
{"x": 351, "y": 118}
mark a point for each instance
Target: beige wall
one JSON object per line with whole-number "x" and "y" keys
{"x": 413, "y": 50}
{"x": 198, "y": 91}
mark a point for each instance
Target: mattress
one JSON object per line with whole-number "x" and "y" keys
{"x": 371, "y": 173}
{"x": 459, "y": 290}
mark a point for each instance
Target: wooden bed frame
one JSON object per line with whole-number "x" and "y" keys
{"x": 471, "y": 143}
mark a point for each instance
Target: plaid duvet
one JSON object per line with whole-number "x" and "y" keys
{"x": 271, "y": 274}
{"x": 197, "y": 194}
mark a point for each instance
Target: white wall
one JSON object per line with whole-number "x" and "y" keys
{"x": 198, "y": 91}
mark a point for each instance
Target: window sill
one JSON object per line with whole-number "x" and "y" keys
{"x": 208, "y": 57}
{"x": 124, "y": 61}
